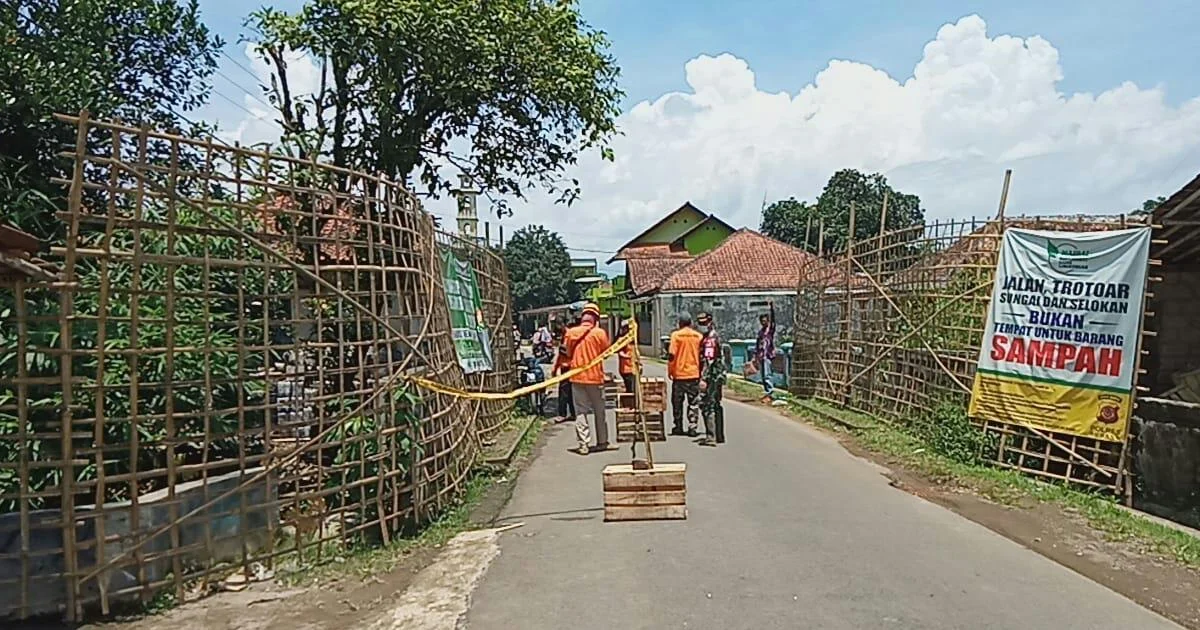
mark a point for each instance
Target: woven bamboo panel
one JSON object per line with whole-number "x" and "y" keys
{"x": 217, "y": 383}
{"x": 892, "y": 327}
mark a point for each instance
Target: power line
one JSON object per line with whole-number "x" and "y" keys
{"x": 243, "y": 108}
{"x": 239, "y": 64}
{"x": 592, "y": 251}
{"x": 243, "y": 89}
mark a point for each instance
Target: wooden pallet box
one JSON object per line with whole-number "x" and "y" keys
{"x": 630, "y": 430}
{"x": 659, "y": 493}
{"x": 654, "y": 394}
{"x": 612, "y": 389}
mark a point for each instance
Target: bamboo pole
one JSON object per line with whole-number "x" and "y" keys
{"x": 849, "y": 301}
{"x": 66, "y": 428}
{"x": 1004, "y": 198}
{"x": 821, "y": 238}
{"x": 808, "y": 232}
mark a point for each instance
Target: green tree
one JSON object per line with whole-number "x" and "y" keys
{"x": 139, "y": 60}
{"x": 791, "y": 221}
{"x": 1150, "y": 205}
{"x": 539, "y": 269}
{"x": 787, "y": 220}
{"x": 524, "y": 85}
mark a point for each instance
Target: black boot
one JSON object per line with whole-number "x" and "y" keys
{"x": 677, "y": 430}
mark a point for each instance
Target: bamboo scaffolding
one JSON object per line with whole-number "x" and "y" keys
{"x": 232, "y": 331}
{"x": 896, "y": 333}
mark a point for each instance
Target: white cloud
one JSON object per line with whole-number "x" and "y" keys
{"x": 974, "y": 106}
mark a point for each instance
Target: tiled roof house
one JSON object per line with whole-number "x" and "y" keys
{"x": 690, "y": 262}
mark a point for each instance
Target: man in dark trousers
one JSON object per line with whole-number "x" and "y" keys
{"x": 712, "y": 381}
{"x": 683, "y": 367}
{"x": 562, "y": 363}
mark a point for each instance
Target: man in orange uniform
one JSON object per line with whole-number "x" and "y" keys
{"x": 625, "y": 360}
{"x": 683, "y": 366}
{"x": 562, "y": 363}
{"x": 584, "y": 343}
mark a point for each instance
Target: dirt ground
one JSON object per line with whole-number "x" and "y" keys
{"x": 1158, "y": 583}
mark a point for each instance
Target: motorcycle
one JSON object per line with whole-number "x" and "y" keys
{"x": 530, "y": 373}
{"x": 543, "y": 353}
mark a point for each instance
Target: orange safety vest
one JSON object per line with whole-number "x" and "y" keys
{"x": 625, "y": 360}
{"x": 684, "y": 364}
{"x": 584, "y": 343}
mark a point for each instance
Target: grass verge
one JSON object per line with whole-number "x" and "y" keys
{"x": 367, "y": 560}
{"x": 898, "y": 445}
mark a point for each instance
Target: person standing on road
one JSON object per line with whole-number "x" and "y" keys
{"x": 683, "y": 367}
{"x": 584, "y": 344}
{"x": 764, "y": 350}
{"x": 562, "y": 363}
{"x": 625, "y": 360}
{"x": 712, "y": 380}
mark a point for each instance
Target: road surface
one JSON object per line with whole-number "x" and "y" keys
{"x": 786, "y": 530}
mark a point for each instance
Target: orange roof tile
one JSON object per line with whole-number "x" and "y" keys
{"x": 747, "y": 260}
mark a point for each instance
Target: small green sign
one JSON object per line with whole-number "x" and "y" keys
{"x": 472, "y": 342}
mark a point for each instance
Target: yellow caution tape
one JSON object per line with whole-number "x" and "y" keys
{"x": 623, "y": 341}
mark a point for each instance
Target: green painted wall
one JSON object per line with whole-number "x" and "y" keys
{"x": 705, "y": 237}
{"x": 681, "y": 221}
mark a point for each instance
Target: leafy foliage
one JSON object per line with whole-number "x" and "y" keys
{"x": 791, "y": 221}
{"x": 361, "y": 445}
{"x": 539, "y": 269}
{"x": 526, "y": 85}
{"x": 949, "y": 432}
{"x": 201, "y": 389}
{"x": 1150, "y": 205}
{"x": 786, "y": 220}
{"x": 139, "y": 60}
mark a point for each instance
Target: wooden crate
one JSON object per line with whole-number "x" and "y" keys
{"x": 629, "y": 430}
{"x": 659, "y": 493}
{"x": 612, "y": 388}
{"x": 654, "y": 394}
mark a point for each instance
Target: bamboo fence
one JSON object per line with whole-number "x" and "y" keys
{"x": 892, "y": 326}
{"x": 215, "y": 382}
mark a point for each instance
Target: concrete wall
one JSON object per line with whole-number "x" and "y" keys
{"x": 1177, "y": 322}
{"x": 735, "y": 314}
{"x": 1166, "y": 433}
{"x": 705, "y": 237}
{"x": 1166, "y": 459}
{"x": 219, "y": 533}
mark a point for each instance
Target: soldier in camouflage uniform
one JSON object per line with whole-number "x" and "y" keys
{"x": 712, "y": 381}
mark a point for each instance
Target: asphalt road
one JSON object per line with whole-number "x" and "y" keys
{"x": 785, "y": 530}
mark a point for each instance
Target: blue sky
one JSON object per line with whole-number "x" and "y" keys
{"x": 1093, "y": 104}
{"x": 1102, "y": 42}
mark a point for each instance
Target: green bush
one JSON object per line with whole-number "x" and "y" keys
{"x": 948, "y": 431}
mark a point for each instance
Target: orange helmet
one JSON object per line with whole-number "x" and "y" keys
{"x": 591, "y": 308}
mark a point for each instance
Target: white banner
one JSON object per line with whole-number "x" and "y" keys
{"x": 1063, "y": 329}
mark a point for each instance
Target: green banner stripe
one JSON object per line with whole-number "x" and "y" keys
{"x": 1053, "y": 381}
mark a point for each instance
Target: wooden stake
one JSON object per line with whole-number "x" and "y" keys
{"x": 821, "y": 238}
{"x": 65, "y": 342}
{"x": 808, "y": 232}
{"x": 849, "y": 301}
{"x": 879, "y": 248}
{"x": 1004, "y": 198}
